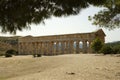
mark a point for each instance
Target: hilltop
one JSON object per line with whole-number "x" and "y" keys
{"x": 115, "y": 43}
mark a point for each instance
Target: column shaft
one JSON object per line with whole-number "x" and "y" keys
{"x": 84, "y": 46}
{"x": 77, "y": 46}
{"x": 71, "y": 50}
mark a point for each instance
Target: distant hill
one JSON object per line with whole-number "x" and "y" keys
{"x": 116, "y": 43}
{"x": 8, "y": 43}
{"x": 10, "y": 40}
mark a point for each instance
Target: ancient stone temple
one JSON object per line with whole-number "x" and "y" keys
{"x": 59, "y": 44}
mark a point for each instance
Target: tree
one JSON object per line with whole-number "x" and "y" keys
{"x": 96, "y": 45}
{"x": 12, "y": 52}
{"x": 109, "y": 17}
{"x": 116, "y": 49}
{"x": 19, "y": 14}
{"x": 106, "y": 50}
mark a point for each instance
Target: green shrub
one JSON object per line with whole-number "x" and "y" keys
{"x": 1, "y": 54}
{"x": 8, "y": 55}
{"x": 38, "y": 55}
{"x": 106, "y": 50}
{"x": 12, "y": 52}
{"x": 34, "y": 55}
{"x": 96, "y": 45}
{"x": 116, "y": 49}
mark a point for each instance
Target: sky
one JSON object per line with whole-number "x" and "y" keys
{"x": 68, "y": 25}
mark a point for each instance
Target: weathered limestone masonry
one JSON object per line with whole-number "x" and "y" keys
{"x": 59, "y": 44}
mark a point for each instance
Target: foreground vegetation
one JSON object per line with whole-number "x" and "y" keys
{"x": 114, "y": 47}
{"x": 109, "y": 48}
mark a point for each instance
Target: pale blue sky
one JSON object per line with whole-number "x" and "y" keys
{"x": 68, "y": 25}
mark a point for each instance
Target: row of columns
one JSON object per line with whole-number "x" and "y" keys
{"x": 53, "y": 47}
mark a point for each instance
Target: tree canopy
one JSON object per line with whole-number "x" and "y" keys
{"x": 19, "y": 14}
{"x": 109, "y": 17}
{"x": 96, "y": 45}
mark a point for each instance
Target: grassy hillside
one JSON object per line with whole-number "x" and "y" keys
{"x": 9, "y": 40}
{"x": 117, "y": 43}
{"x": 111, "y": 48}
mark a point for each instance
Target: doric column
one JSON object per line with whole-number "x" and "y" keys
{"x": 52, "y": 47}
{"x": 42, "y": 48}
{"x": 71, "y": 48}
{"x": 62, "y": 47}
{"x": 24, "y": 47}
{"x": 48, "y": 48}
{"x": 77, "y": 46}
{"x": 84, "y": 46}
{"x": 19, "y": 48}
{"x": 80, "y": 46}
{"x": 30, "y": 48}
{"x": 43, "y": 45}
{"x": 57, "y": 48}
{"x": 35, "y": 51}
{"x": 45, "y": 48}
{"x": 89, "y": 48}
{"x": 39, "y": 47}
{"x": 27, "y": 47}
{"x": 36, "y": 46}
{"x": 67, "y": 48}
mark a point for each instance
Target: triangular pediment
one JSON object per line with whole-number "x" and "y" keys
{"x": 100, "y": 32}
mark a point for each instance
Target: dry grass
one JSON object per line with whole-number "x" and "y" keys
{"x": 62, "y": 67}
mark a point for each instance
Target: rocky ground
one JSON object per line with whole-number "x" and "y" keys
{"x": 61, "y": 67}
